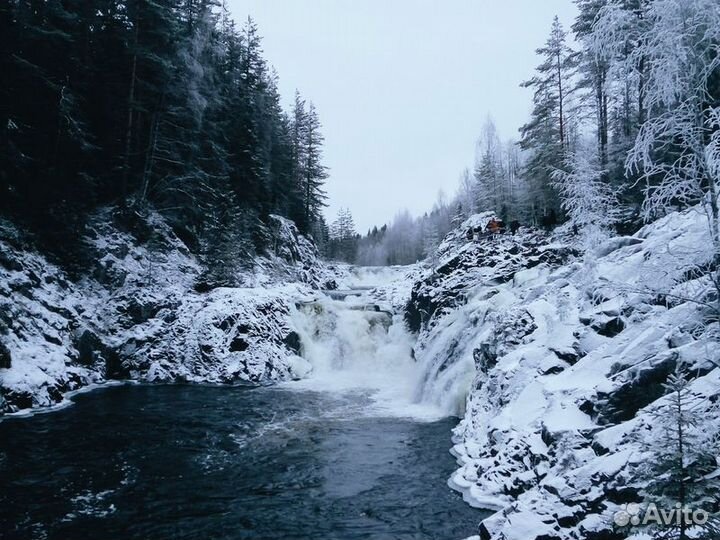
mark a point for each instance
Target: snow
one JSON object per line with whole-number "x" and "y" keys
{"x": 135, "y": 314}
{"x": 562, "y": 359}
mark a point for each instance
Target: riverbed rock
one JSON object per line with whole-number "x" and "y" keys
{"x": 292, "y": 340}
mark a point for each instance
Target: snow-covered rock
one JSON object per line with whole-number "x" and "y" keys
{"x": 40, "y": 313}
{"x": 556, "y": 362}
{"x": 290, "y": 257}
{"x": 227, "y": 335}
{"x": 135, "y": 312}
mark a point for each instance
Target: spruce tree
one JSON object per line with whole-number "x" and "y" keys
{"x": 314, "y": 172}
{"x": 546, "y": 137}
{"x": 683, "y": 457}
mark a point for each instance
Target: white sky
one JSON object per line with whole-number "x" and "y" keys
{"x": 403, "y": 87}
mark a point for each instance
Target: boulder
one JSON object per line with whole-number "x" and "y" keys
{"x": 292, "y": 340}
{"x": 88, "y": 346}
{"x": 92, "y": 352}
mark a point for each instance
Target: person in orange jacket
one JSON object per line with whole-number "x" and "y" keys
{"x": 493, "y": 226}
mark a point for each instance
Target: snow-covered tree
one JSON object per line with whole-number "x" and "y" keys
{"x": 587, "y": 199}
{"x": 683, "y": 445}
{"x": 431, "y": 240}
{"x": 489, "y": 174}
{"x": 546, "y": 136}
{"x": 593, "y": 71}
{"x": 343, "y": 238}
{"x": 677, "y": 57}
{"x": 466, "y": 193}
{"x": 677, "y": 147}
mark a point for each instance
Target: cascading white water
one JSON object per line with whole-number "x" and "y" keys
{"x": 447, "y": 363}
{"x": 354, "y": 349}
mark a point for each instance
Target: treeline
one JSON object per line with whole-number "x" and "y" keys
{"x": 405, "y": 240}
{"x": 162, "y": 103}
{"x": 624, "y": 128}
{"x": 574, "y": 95}
{"x": 618, "y": 126}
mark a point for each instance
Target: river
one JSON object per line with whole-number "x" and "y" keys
{"x": 207, "y": 462}
{"x": 357, "y": 450}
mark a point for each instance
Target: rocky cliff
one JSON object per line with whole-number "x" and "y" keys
{"x": 565, "y": 357}
{"x": 134, "y": 313}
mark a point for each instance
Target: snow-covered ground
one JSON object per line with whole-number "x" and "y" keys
{"x": 557, "y": 364}
{"x": 136, "y": 315}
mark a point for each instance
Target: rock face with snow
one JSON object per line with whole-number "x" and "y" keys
{"x": 40, "y": 313}
{"x": 135, "y": 313}
{"x": 225, "y": 336}
{"x": 463, "y": 264}
{"x": 565, "y": 359}
{"x": 291, "y": 257}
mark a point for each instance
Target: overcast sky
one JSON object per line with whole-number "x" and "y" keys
{"x": 403, "y": 86}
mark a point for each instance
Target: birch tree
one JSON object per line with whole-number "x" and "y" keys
{"x": 677, "y": 149}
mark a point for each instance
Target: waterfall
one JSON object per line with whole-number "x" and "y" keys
{"x": 446, "y": 362}
{"x": 354, "y": 347}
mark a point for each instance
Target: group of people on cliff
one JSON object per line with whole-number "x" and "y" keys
{"x": 492, "y": 227}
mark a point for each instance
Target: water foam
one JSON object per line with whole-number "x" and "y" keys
{"x": 352, "y": 349}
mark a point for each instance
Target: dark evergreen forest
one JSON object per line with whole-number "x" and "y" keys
{"x": 150, "y": 104}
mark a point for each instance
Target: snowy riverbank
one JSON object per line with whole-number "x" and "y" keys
{"x": 135, "y": 314}
{"x": 564, "y": 360}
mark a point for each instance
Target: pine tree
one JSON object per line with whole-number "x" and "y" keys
{"x": 490, "y": 192}
{"x": 314, "y": 172}
{"x": 298, "y": 136}
{"x": 343, "y": 237}
{"x": 546, "y": 136}
{"x": 247, "y": 145}
{"x": 683, "y": 456}
{"x": 283, "y": 188}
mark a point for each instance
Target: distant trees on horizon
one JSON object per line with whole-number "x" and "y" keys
{"x": 623, "y": 129}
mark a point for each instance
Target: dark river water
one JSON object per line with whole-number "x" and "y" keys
{"x": 204, "y": 462}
